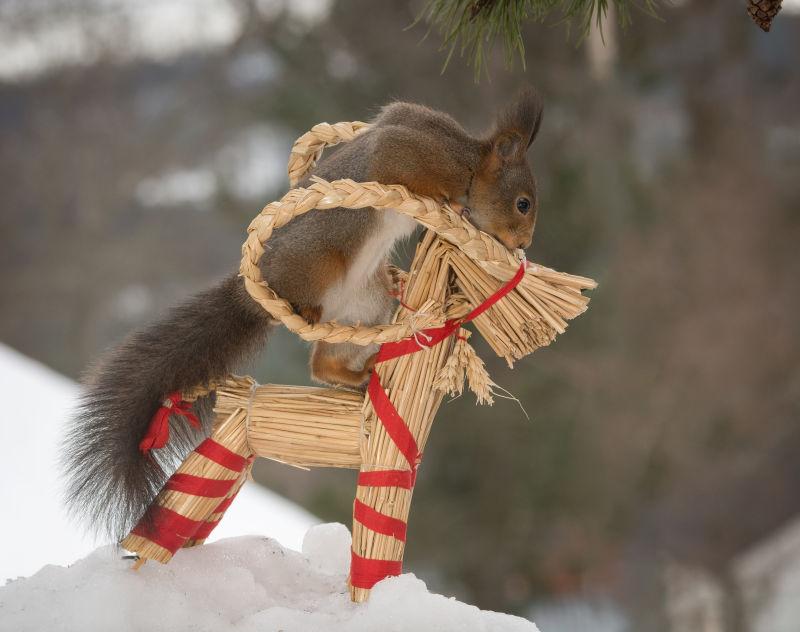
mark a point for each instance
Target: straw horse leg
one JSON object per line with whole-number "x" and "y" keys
{"x": 390, "y": 454}
{"x": 189, "y": 505}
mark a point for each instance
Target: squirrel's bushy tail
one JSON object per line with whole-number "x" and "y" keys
{"x": 109, "y": 481}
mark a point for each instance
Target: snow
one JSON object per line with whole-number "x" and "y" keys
{"x": 253, "y": 163}
{"x": 34, "y": 529}
{"x": 35, "y": 39}
{"x": 249, "y": 166}
{"x": 178, "y": 187}
{"x": 579, "y": 614}
{"x": 243, "y": 584}
{"x": 769, "y": 578}
{"x": 161, "y": 30}
{"x": 258, "y": 511}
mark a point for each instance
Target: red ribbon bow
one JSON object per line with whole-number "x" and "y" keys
{"x": 158, "y": 430}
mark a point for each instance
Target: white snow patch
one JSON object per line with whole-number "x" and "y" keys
{"x": 576, "y": 614}
{"x": 258, "y": 510}
{"x": 253, "y": 68}
{"x": 318, "y": 549}
{"x": 121, "y": 29}
{"x": 178, "y": 187}
{"x": 246, "y": 584}
{"x": 34, "y": 529}
{"x": 304, "y": 13}
{"x": 37, "y": 38}
{"x": 791, "y": 6}
{"x": 342, "y": 64}
{"x": 253, "y": 163}
{"x": 249, "y": 166}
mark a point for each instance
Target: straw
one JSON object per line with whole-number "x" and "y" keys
{"x": 455, "y": 269}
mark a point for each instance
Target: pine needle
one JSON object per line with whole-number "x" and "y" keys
{"x": 471, "y": 27}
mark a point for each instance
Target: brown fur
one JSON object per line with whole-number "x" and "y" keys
{"x": 306, "y": 262}
{"x": 331, "y": 265}
{"x": 203, "y": 339}
{"x": 504, "y": 175}
{"x": 329, "y": 363}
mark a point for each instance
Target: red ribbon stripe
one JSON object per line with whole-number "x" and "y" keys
{"x": 199, "y": 486}
{"x": 404, "y": 479}
{"x": 395, "y": 426}
{"x": 379, "y": 522}
{"x": 365, "y": 573}
{"x": 222, "y": 455}
{"x": 167, "y": 528}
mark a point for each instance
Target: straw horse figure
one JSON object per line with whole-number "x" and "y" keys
{"x": 458, "y": 274}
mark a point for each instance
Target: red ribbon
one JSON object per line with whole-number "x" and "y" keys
{"x": 365, "y": 573}
{"x": 205, "y": 529}
{"x": 171, "y": 530}
{"x": 379, "y": 522}
{"x": 404, "y": 479}
{"x": 158, "y": 430}
{"x": 223, "y": 506}
{"x": 395, "y": 426}
{"x": 167, "y": 528}
{"x": 199, "y": 486}
{"x": 222, "y": 456}
{"x": 433, "y": 336}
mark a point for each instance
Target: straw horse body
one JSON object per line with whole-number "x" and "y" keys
{"x": 458, "y": 274}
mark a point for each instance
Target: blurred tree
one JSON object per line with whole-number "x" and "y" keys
{"x": 472, "y": 26}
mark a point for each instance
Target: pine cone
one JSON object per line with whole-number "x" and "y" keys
{"x": 762, "y": 11}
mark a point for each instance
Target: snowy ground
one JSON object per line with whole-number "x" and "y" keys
{"x": 34, "y": 529}
{"x": 243, "y": 584}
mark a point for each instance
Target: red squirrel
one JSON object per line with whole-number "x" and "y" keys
{"x": 330, "y": 265}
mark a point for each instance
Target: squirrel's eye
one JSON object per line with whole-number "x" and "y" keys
{"x": 523, "y": 205}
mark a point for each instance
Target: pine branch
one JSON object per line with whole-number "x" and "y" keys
{"x": 472, "y": 26}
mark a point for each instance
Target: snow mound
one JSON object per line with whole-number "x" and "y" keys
{"x": 34, "y": 528}
{"x": 246, "y": 584}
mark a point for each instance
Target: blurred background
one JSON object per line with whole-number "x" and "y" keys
{"x": 655, "y": 485}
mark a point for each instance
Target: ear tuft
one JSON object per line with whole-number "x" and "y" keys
{"x": 520, "y": 120}
{"x": 507, "y": 145}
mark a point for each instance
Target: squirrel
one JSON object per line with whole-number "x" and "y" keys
{"x": 330, "y": 265}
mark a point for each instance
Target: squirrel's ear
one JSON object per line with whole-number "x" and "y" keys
{"x": 517, "y": 125}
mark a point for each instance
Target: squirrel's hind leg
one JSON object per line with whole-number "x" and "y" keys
{"x": 342, "y": 364}
{"x": 359, "y": 299}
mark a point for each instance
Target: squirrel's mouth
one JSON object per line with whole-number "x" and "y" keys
{"x": 509, "y": 239}
{"x": 512, "y": 242}
{"x": 506, "y": 240}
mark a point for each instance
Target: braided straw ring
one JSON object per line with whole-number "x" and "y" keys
{"x": 308, "y": 148}
{"x": 484, "y": 249}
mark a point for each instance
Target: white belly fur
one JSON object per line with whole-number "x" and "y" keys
{"x": 346, "y": 301}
